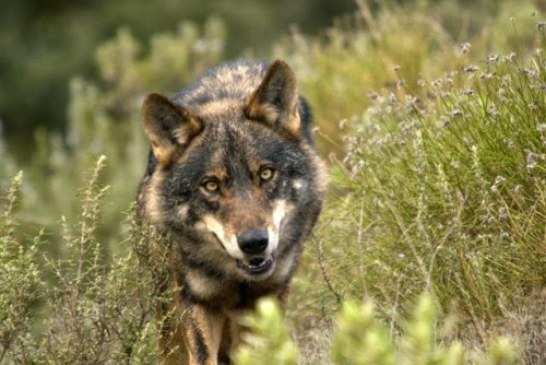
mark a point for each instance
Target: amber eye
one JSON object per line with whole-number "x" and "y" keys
{"x": 211, "y": 186}
{"x": 266, "y": 173}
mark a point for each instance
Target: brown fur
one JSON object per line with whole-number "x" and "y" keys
{"x": 231, "y": 158}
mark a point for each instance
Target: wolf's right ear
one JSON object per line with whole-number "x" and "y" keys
{"x": 275, "y": 102}
{"x": 168, "y": 126}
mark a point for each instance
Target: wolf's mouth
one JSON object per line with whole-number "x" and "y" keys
{"x": 256, "y": 265}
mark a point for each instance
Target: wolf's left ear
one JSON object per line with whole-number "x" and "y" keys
{"x": 275, "y": 102}
{"x": 169, "y": 127}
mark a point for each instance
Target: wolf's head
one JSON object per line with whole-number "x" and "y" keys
{"x": 233, "y": 176}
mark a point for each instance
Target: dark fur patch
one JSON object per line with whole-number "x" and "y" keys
{"x": 202, "y": 352}
{"x": 205, "y": 268}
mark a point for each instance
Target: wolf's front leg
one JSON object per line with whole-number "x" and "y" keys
{"x": 202, "y": 334}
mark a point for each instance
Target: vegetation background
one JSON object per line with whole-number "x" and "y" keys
{"x": 431, "y": 114}
{"x": 45, "y": 44}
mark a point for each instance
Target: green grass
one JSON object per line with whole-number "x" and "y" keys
{"x": 437, "y": 149}
{"x": 443, "y": 190}
{"x": 447, "y": 188}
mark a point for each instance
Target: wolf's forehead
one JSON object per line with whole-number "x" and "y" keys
{"x": 232, "y": 145}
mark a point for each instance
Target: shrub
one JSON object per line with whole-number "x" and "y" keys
{"x": 360, "y": 339}
{"x": 91, "y": 311}
{"x": 19, "y": 279}
{"x": 443, "y": 190}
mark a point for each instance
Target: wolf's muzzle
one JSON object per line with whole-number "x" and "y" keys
{"x": 253, "y": 242}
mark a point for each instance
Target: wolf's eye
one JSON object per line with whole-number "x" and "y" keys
{"x": 211, "y": 186}
{"x": 266, "y": 173}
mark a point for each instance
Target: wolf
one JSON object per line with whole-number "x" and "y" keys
{"x": 233, "y": 187}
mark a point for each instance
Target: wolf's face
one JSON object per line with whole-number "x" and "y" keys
{"x": 236, "y": 188}
{"x": 234, "y": 182}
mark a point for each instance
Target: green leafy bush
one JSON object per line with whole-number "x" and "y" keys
{"x": 90, "y": 310}
{"x": 268, "y": 338}
{"x": 360, "y": 338}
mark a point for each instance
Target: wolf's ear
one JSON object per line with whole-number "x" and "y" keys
{"x": 169, "y": 127}
{"x": 275, "y": 102}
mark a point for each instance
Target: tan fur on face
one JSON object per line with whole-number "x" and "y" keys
{"x": 280, "y": 210}
{"x": 228, "y": 238}
{"x": 183, "y": 211}
{"x": 152, "y": 199}
{"x": 224, "y": 234}
{"x": 322, "y": 177}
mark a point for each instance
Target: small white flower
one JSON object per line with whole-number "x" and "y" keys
{"x": 492, "y": 58}
{"x": 470, "y": 68}
{"x": 456, "y": 113}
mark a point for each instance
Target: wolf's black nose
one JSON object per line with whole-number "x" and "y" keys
{"x": 253, "y": 242}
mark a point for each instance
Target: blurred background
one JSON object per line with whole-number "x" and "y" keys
{"x": 73, "y": 73}
{"x": 44, "y": 44}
